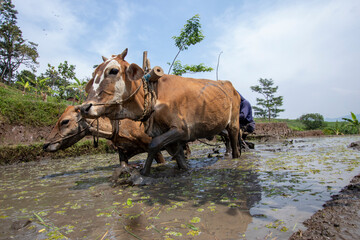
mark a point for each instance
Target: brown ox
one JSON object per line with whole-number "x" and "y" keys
{"x": 185, "y": 108}
{"x": 72, "y": 127}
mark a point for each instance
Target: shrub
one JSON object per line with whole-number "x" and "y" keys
{"x": 312, "y": 121}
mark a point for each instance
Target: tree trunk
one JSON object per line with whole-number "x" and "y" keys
{"x": 174, "y": 60}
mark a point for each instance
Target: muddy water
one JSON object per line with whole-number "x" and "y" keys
{"x": 267, "y": 193}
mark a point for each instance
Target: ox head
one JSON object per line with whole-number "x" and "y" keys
{"x": 111, "y": 83}
{"x": 68, "y": 130}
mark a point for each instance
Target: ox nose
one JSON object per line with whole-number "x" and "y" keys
{"x": 85, "y": 108}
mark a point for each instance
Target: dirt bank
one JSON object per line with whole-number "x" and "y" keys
{"x": 268, "y": 131}
{"x": 19, "y": 134}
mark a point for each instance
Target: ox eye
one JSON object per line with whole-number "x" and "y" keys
{"x": 114, "y": 71}
{"x": 64, "y": 122}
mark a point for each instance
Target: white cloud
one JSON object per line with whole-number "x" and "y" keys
{"x": 305, "y": 47}
{"x": 79, "y": 32}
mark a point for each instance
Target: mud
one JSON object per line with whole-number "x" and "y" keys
{"x": 340, "y": 218}
{"x": 263, "y": 195}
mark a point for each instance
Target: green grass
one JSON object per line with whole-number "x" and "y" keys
{"x": 28, "y": 109}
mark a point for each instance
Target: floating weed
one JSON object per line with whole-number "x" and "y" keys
{"x": 104, "y": 215}
{"x": 75, "y": 206}
{"x": 42, "y": 213}
{"x": 195, "y": 220}
{"x": 284, "y": 229}
{"x": 193, "y": 233}
{"x": 212, "y": 208}
{"x": 136, "y": 216}
{"x": 172, "y": 233}
{"x": 60, "y": 212}
{"x": 68, "y": 228}
{"x": 3, "y": 216}
{"x": 129, "y": 202}
{"x": 225, "y": 199}
{"x": 200, "y": 210}
{"x": 275, "y": 224}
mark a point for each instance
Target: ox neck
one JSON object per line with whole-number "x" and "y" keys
{"x": 133, "y": 108}
{"x": 98, "y": 129}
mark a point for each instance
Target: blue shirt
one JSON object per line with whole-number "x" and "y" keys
{"x": 245, "y": 111}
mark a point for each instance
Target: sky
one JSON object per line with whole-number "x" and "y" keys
{"x": 309, "y": 48}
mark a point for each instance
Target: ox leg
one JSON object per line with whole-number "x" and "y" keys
{"x": 124, "y": 168}
{"x": 225, "y": 138}
{"x": 177, "y": 150}
{"x": 234, "y": 141}
{"x": 157, "y": 144}
{"x": 180, "y": 157}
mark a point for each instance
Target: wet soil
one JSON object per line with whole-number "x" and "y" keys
{"x": 339, "y": 219}
{"x": 268, "y": 193}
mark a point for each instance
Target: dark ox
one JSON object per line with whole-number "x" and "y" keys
{"x": 72, "y": 127}
{"x": 185, "y": 108}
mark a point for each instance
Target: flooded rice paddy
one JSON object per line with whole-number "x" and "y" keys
{"x": 265, "y": 194}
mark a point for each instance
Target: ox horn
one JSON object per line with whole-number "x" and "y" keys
{"x": 123, "y": 54}
{"x": 104, "y": 58}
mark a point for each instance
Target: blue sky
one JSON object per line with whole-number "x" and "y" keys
{"x": 310, "y": 48}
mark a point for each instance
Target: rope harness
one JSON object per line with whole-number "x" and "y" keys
{"x": 149, "y": 98}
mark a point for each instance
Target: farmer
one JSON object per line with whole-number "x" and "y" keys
{"x": 247, "y": 124}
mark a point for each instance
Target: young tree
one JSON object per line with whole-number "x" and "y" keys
{"x": 312, "y": 120}
{"x": 59, "y": 79}
{"x": 267, "y": 106}
{"x": 191, "y": 34}
{"x": 14, "y": 50}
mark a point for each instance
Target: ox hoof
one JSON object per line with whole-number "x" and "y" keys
{"x": 118, "y": 172}
{"x": 145, "y": 172}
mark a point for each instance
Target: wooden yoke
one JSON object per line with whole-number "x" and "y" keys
{"x": 146, "y": 63}
{"x": 156, "y": 73}
{"x": 151, "y": 75}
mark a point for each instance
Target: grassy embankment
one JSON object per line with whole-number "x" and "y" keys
{"x": 296, "y": 125}
{"x": 29, "y": 110}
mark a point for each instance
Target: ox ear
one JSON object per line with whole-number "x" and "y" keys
{"x": 134, "y": 72}
{"x": 89, "y": 85}
{"x": 104, "y": 58}
{"x": 123, "y": 54}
